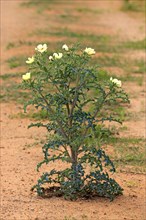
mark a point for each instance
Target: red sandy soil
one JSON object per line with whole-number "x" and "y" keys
{"x": 18, "y": 161}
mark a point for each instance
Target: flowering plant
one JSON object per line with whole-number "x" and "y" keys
{"x": 73, "y": 94}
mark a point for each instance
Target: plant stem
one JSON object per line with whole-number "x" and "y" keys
{"x": 52, "y": 111}
{"x": 96, "y": 112}
{"x": 74, "y": 163}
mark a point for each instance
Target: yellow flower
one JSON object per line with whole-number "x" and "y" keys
{"x": 50, "y": 58}
{"x": 65, "y": 47}
{"x": 116, "y": 81}
{"x": 57, "y": 55}
{"x": 26, "y": 76}
{"x": 89, "y": 51}
{"x": 41, "y": 48}
{"x": 30, "y": 60}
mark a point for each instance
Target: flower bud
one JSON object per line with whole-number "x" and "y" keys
{"x": 65, "y": 47}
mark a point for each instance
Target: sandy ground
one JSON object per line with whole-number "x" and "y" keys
{"x": 18, "y": 161}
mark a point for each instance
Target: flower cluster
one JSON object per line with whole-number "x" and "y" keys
{"x": 41, "y": 48}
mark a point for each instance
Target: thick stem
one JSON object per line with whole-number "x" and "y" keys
{"x": 74, "y": 156}
{"x": 74, "y": 163}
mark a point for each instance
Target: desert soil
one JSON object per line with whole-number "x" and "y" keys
{"x": 18, "y": 161}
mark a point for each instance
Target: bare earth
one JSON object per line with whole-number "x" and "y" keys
{"x": 18, "y": 161}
